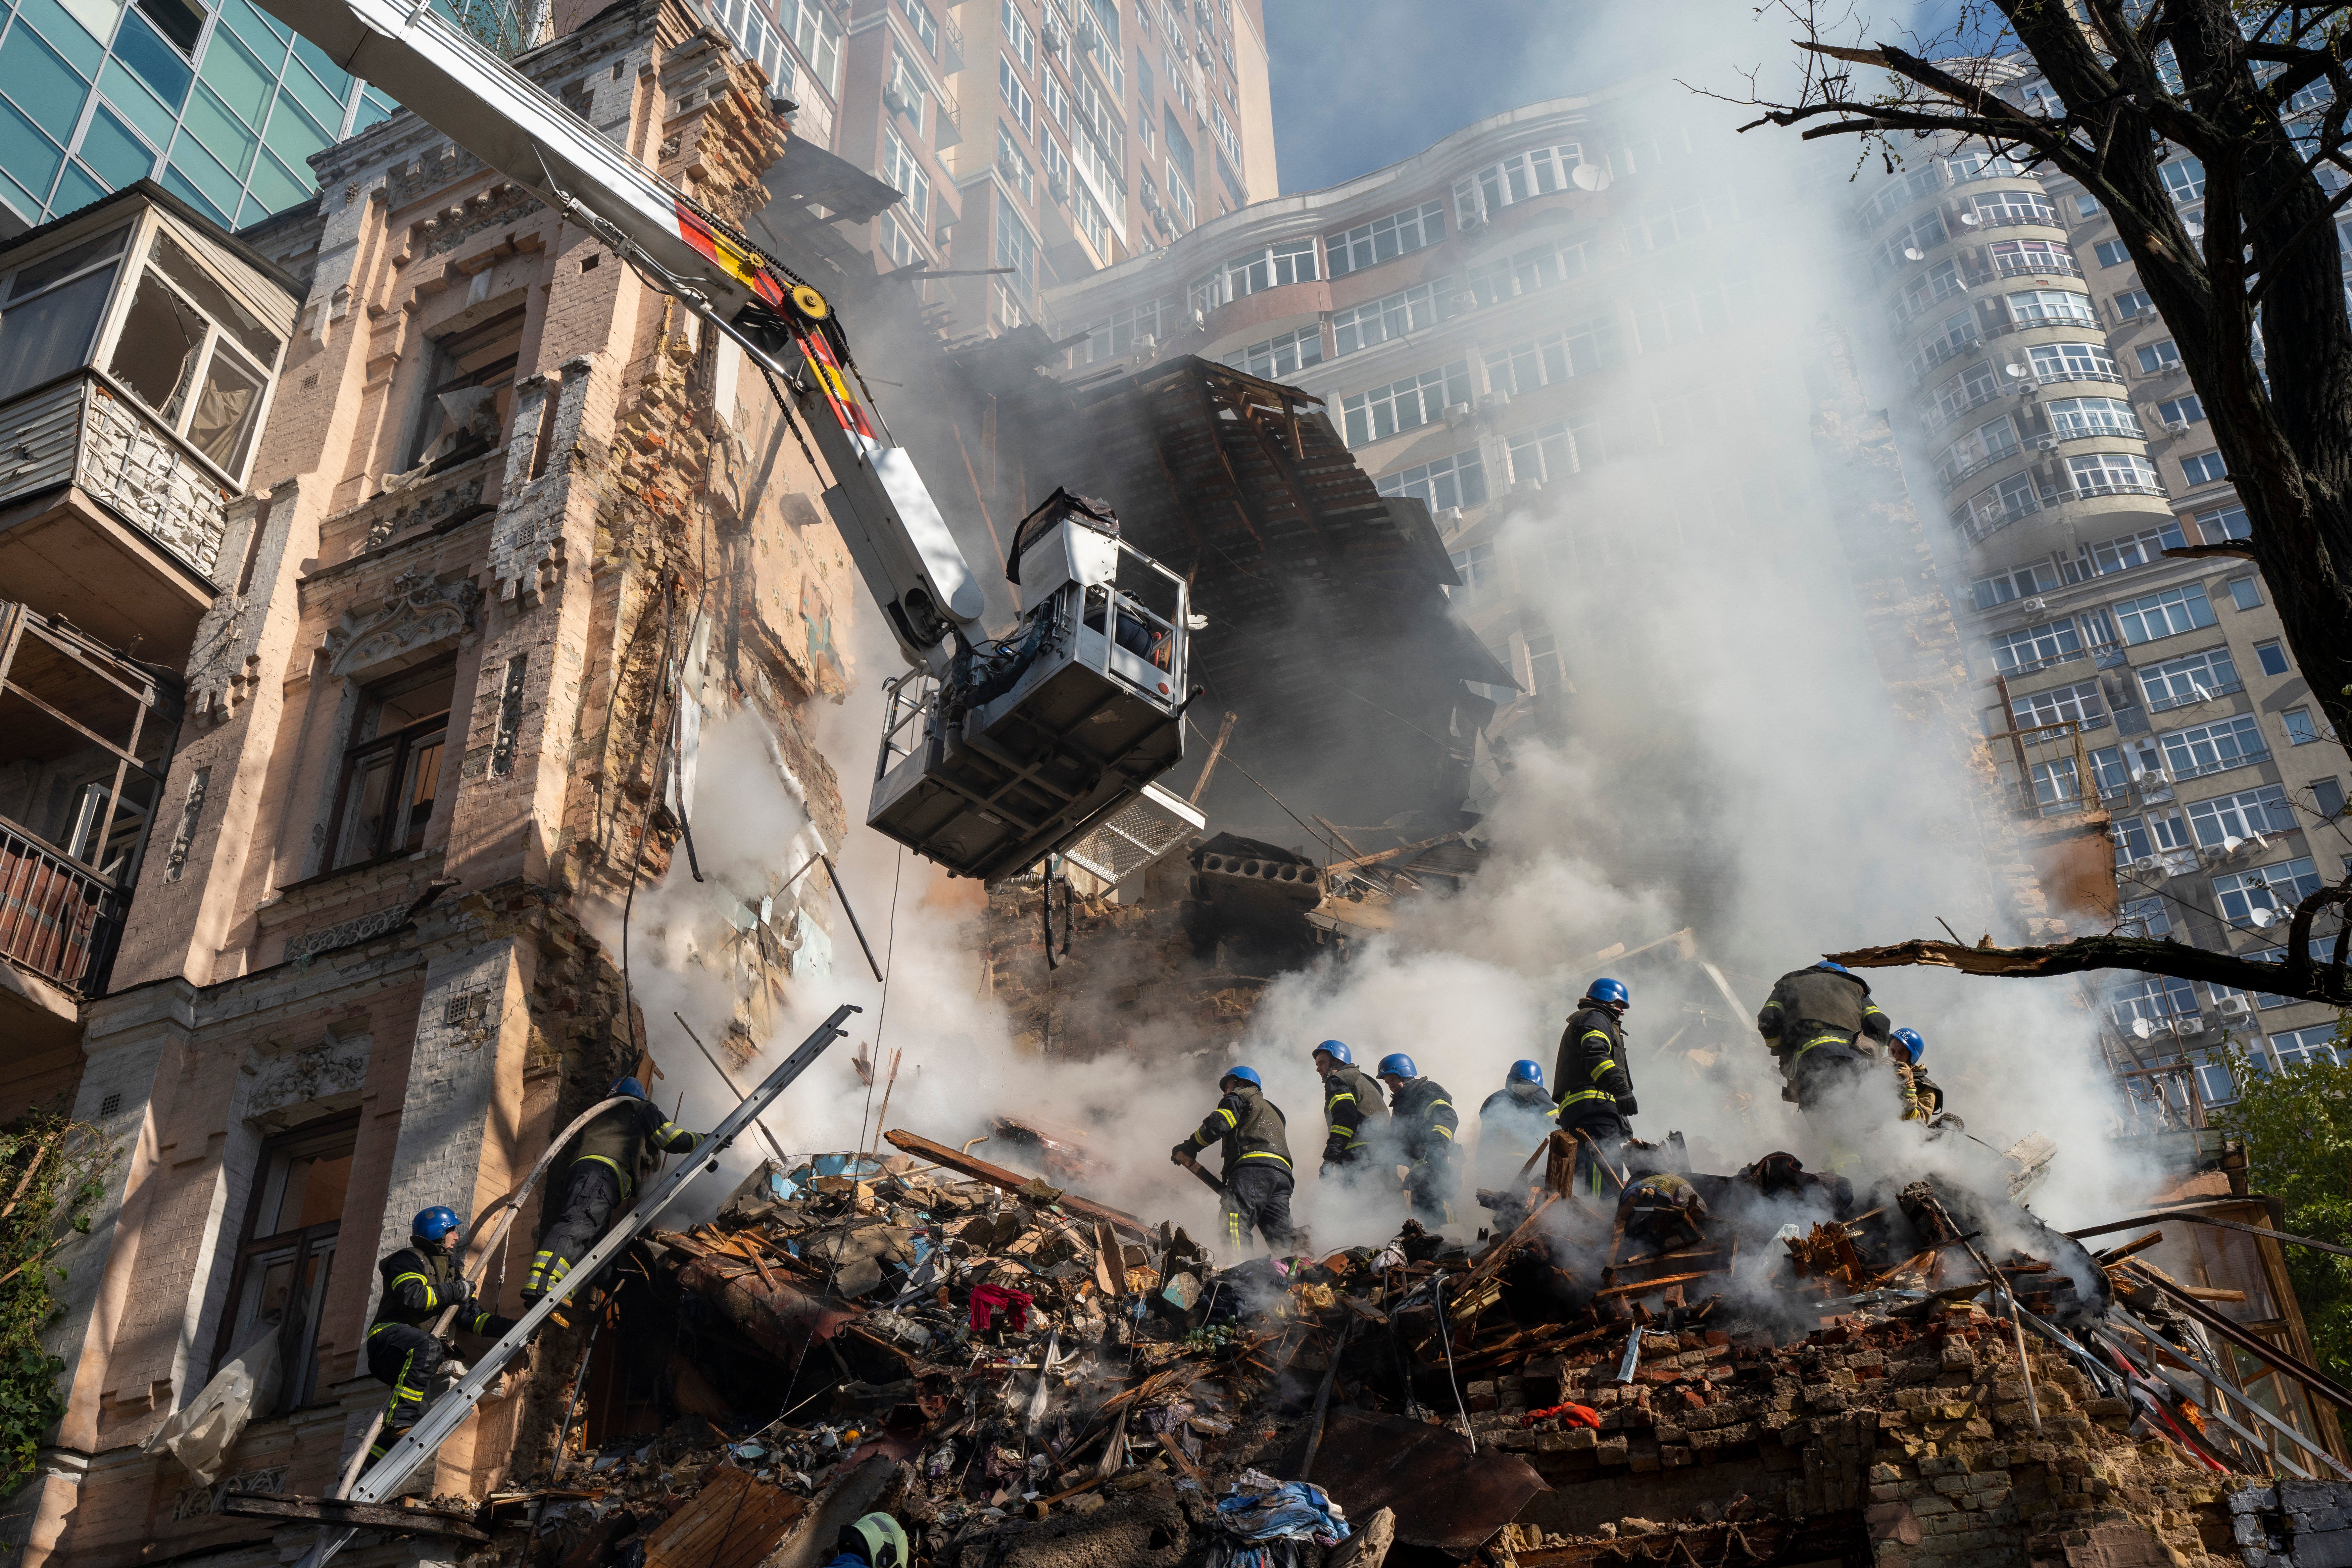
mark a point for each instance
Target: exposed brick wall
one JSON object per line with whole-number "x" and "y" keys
{"x": 1924, "y": 1431}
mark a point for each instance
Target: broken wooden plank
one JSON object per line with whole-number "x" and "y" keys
{"x": 329, "y": 1511}
{"x": 1658, "y": 1284}
{"x": 1007, "y": 1180}
{"x": 734, "y": 1522}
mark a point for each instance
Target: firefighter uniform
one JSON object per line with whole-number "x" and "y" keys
{"x": 1353, "y": 1109}
{"x": 615, "y": 1155}
{"x": 1425, "y": 1125}
{"x": 1595, "y": 1087}
{"x": 419, "y": 1284}
{"x": 1816, "y": 1022}
{"x": 1512, "y": 1121}
{"x": 1257, "y": 1178}
{"x": 1922, "y": 1095}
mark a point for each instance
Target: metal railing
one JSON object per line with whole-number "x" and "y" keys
{"x": 2020, "y": 266}
{"x": 1977, "y": 523}
{"x": 57, "y": 918}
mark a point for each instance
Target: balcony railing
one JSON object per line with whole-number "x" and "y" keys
{"x": 1975, "y": 523}
{"x": 57, "y": 918}
{"x": 2023, "y": 267}
{"x": 81, "y": 429}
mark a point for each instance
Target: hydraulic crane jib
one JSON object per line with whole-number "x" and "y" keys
{"x": 1027, "y": 742}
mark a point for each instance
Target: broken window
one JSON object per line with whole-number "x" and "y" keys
{"x": 469, "y": 391}
{"x": 196, "y": 357}
{"x": 287, "y": 1249}
{"x": 392, "y": 773}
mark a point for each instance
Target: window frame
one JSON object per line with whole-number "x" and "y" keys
{"x": 321, "y": 1239}
{"x": 441, "y": 353}
{"x": 404, "y": 743}
{"x": 136, "y": 260}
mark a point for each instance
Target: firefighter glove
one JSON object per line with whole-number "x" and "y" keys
{"x": 1628, "y": 1106}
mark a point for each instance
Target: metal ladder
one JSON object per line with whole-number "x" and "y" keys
{"x": 388, "y": 1474}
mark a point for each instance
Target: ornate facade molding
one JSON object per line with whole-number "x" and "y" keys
{"x": 420, "y": 610}
{"x": 527, "y": 541}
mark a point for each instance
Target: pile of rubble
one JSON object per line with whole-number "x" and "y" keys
{"x": 1024, "y": 1376}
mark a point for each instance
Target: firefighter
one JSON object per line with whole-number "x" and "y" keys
{"x": 1816, "y": 1022}
{"x": 1923, "y": 1097}
{"x": 1512, "y": 1121}
{"x": 420, "y": 1280}
{"x": 1592, "y": 1079}
{"x": 1425, "y": 1125}
{"x": 1257, "y": 1159}
{"x": 877, "y": 1540}
{"x": 1663, "y": 1211}
{"x": 1353, "y": 1109}
{"x": 612, "y": 1159}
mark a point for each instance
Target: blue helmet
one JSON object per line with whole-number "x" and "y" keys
{"x": 629, "y": 1087}
{"x": 1247, "y": 1075}
{"x": 1608, "y": 991}
{"x": 1397, "y": 1065}
{"x": 1338, "y": 1049}
{"x": 1524, "y": 1071}
{"x": 432, "y": 1223}
{"x": 1834, "y": 966}
{"x": 1912, "y": 1042}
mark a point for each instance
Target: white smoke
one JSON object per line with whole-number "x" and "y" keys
{"x": 1733, "y": 764}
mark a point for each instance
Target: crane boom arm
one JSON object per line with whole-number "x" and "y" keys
{"x": 896, "y": 534}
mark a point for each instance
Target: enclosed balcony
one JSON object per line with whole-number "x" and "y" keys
{"x": 139, "y": 347}
{"x": 86, "y": 735}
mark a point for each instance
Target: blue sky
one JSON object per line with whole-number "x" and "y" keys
{"x": 1358, "y": 84}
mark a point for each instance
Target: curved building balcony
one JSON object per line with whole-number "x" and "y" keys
{"x": 2074, "y": 339}
{"x": 2023, "y": 498}
{"x": 1239, "y": 322}
{"x": 1948, "y": 408}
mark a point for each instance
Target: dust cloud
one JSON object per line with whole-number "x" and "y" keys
{"x": 1729, "y": 763}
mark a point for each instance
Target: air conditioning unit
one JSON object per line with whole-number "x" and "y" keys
{"x": 2036, "y": 605}
{"x": 1456, "y": 416}
{"x": 2176, "y": 426}
{"x": 2233, "y": 1006}
{"x": 2188, "y": 1028}
{"x": 2145, "y": 864}
{"x": 1498, "y": 398}
{"x": 2045, "y": 443}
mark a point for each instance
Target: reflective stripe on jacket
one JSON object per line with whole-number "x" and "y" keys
{"x": 1810, "y": 1006}
{"x": 1426, "y": 1121}
{"x": 1353, "y": 1107}
{"x": 1250, "y": 1127}
{"x": 620, "y": 1137}
{"x": 1590, "y": 1071}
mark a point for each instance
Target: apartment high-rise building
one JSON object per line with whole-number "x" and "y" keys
{"x": 2049, "y": 416}
{"x": 1541, "y": 298}
{"x": 220, "y": 104}
{"x": 1032, "y": 142}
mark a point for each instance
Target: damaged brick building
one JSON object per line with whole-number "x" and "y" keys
{"x": 466, "y": 513}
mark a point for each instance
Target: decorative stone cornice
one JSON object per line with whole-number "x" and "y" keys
{"x": 421, "y": 610}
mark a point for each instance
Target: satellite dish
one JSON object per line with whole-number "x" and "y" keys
{"x": 2017, "y": 370}
{"x": 2229, "y": 842}
{"x": 1589, "y": 178}
{"x": 2142, "y": 1027}
{"x": 2262, "y": 918}
{"x": 1913, "y": 253}
{"x": 1970, "y": 219}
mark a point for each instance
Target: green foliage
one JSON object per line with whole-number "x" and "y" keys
{"x": 50, "y": 1176}
{"x": 2297, "y": 1130}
